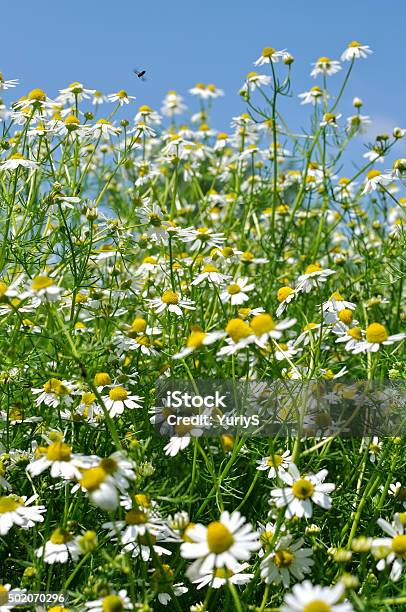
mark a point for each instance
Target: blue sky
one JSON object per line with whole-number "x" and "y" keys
{"x": 179, "y": 42}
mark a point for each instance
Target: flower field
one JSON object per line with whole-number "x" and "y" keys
{"x": 142, "y": 248}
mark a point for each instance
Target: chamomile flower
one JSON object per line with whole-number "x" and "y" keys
{"x": 75, "y": 92}
{"x": 374, "y": 180}
{"x": 392, "y": 550}
{"x": 284, "y": 296}
{"x": 45, "y": 288}
{"x": 313, "y": 276}
{"x": 221, "y": 544}
{"x": 308, "y": 598}
{"x": 196, "y": 340}
{"x": 325, "y": 66}
{"x": 60, "y": 548}
{"x": 398, "y": 492}
{"x": 15, "y": 161}
{"x": 255, "y": 81}
{"x": 314, "y": 96}
{"x": 121, "y": 97}
{"x": 103, "y": 128}
{"x": 264, "y": 327}
{"x": 269, "y": 54}
{"x": 211, "y": 273}
{"x": 301, "y": 491}
{"x": 7, "y": 84}
{"x": 221, "y": 576}
{"x": 355, "y": 50}
{"x": 118, "y": 399}
{"x": 236, "y": 292}
{"x": 287, "y": 559}
{"x": 171, "y": 302}
{"x": 173, "y": 104}
{"x": 115, "y": 602}
{"x": 16, "y": 510}
{"x": 58, "y": 457}
{"x": 53, "y": 393}
{"x": 376, "y": 336}
{"x": 275, "y": 463}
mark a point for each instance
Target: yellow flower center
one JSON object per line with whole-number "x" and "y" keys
{"x": 93, "y": 478}
{"x": 209, "y": 268}
{"x": 58, "y": 451}
{"x": 376, "y": 333}
{"x": 71, "y": 122}
{"x": 345, "y": 316}
{"x": 353, "y": 44}
{"x": 144, "y": 109}
{"x": 284, "y": 558}
{"x": 373, "y": 174}
{"x": 237, "y": 329}
{"x": 262, "y": 324}
{"x": 136, "y": 517}
{"x": 302, "y": 488}
{"x": 399, "y": 545}
{"x": 323, "y": 60}
{"x": 53, "y": 385}
{"x": 275, "y": 461}
{"x": 8, "y": 504}
{"x": 195, "y": 339}
{"x": 247, "y": 256}
{"x": 103, "y": 122}
{"x": 233, "y": 289}
{"x": 317, "y": 605}
{"x": 122, "y": 94}
{"x": 252, "y": 75}
{"x": 336, "y": 296}
{"x": 142, "y": 499}
{"x": 88, "y": 398}
{"x": 283, "y": 293}
{"x": 41, "y": 282}
{"x": 118, "y": 394}
{"x": 60, "y": 536}
{"x": 37, "y": 94}
{"x": 268, "y": 51}
{"x": 169, "y": 297}
{"x": 219, "y": 538}
{"x": 112, "y": 603}
{"x": 313, "y": 268}
{"x": 138, "y": 325}
{"x": 355, "y": 332}
{"x": 102, "y": 379}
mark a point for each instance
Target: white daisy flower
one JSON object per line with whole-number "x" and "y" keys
{"x": 236, "y": 292}
{"x": 313, "y": 275}
{"x": 302, "y": 491}
{"x": 45, "y": 288}
{"x": 398, "y": 492}
{"x": 377, "y": 336}
{"x": 210, "y": 272}
{"x": 59, "y": 458}
{"x": 118, "y": 399}
{"x": 374, "y": 179}
{"x": 171, "y": 302}
{"x": 268, "y": 55}
{"x": 275, "y": 463}
{"x": 220, "y": 576}
{"x": 265, "y": 328}
{"x": 392, "y": 549}
{"x": 75, "y": 92}
{"x": 111, "y": 603}
{"x": 16, "y": 510}
{"x": 325, "y": 66}
{"x": 221, "y": 544}
{"x": 308, "y": 598}
{"x": 60, "y": 548}
{"x": 285, "y": 295}
{"x": 255, "y": 80}
{"x": 196, "y": 340}
{"x": 287, "y": 559}
{"x": 355, "y": 51}
{"x": 53, "y": 393}
{"x": 16, "y": 161}
{"x": 121, "y": 97}
{"x": 315, "y": 95}
{"x": 7, "y": 84}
